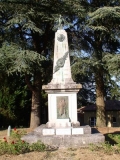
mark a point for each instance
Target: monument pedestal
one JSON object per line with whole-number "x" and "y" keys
{"x": 62, "y": 105}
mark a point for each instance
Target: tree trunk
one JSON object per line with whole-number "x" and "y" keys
{"x": 35, "y": 110}
{"x": 100, "y": 112}
{"x": 36, "y": 97}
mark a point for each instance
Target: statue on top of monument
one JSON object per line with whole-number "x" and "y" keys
{"x": 60, "y": 22}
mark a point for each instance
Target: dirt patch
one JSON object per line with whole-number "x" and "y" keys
{"x": 63, "y": 154}
{"x": 106, "y": 130}
{"x": 3, "y": 133}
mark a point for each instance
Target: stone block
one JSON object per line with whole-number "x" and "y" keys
{"x": 66, "y": 141}
{"x": 63, "y": 131}
{"x": 62, "y": 124}
{"x": 48, "y": 132}
{"x": 87, "y": 129}
{"x": 77, "y": 131}
{"x": 39, "y": 129}
{"x": 75, "y": 124}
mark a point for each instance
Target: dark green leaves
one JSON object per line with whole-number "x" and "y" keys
{"x": 15, "y": 59}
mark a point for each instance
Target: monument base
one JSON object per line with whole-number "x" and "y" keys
{"x": 62, "y": 124}
{"x": 64, "y": 137}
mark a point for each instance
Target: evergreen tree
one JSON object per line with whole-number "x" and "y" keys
{"x": 98, "y": 38}
{"x": 30, "y": 26}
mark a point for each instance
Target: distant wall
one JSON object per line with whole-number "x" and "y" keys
{"x": 112, "y": 118}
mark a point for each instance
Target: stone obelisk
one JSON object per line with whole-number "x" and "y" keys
{"x": 61, "y": 66}
{"x": 62, "y": 90}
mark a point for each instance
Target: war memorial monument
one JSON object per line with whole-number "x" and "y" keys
{"x": 62, "y": 128}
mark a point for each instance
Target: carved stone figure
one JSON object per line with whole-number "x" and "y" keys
{"x": 60, "y": 62}
{"x": 62, "y": 108}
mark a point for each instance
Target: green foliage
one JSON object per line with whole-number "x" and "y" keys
{"x": 15, "y": 145}
{"x": 83, "y": 73}
{"x": 112, "y": 63}
{"x": 106, "y": 147}
{"x": 17, "y": 134}
{"x": 14, "y": 101}
{"x": 115, "y": 137}
{"x": 98, "y": 47}
{"x": 94, "y": 147}
{"x": 107, "y": 16}
{"x": 28, "y": 33}
{"x": 37, "y": 146}
{"x": 18, "y": 60}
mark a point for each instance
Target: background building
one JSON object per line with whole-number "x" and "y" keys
{"x": 87, "y": 114}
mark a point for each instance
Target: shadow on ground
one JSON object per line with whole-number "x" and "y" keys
{"x": 107, "y": 138}
{"x": 110, "y": 140}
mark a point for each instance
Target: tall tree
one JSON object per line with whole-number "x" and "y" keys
{"x": 30, "y": 24}
{"x": 99, "y": 39}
